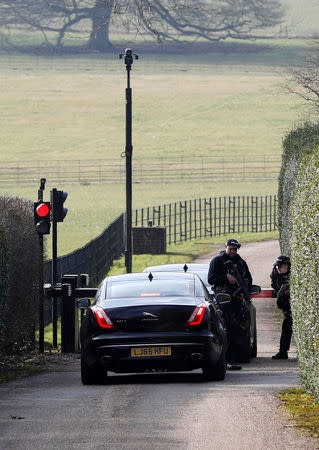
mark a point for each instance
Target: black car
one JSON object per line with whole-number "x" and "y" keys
{"x": 246, "y": 335}
{"x": 147, "y": 321}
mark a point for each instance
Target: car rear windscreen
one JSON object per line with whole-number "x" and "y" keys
{"x": 154, "y": 288}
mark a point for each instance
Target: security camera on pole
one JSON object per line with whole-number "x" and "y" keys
{"x": 128, "y": 60}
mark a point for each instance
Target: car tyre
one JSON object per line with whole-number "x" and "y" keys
{"x": 94, "y": 374}
{"x": 216, "y": 371}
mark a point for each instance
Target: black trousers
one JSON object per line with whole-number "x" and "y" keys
{"x": 286, "y": 332}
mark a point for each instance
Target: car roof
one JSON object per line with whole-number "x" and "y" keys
{"x": 178, "y": 267}
{"x": 140, "y": 276}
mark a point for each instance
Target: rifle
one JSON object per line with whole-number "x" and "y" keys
{"x": 242, "y": 314}
{"x": 242, "y": 287}
{"x": 284, "y": 290}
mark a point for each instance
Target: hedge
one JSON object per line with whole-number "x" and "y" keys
{"x": 304, "y": 214}
{"x": 298, "y": 143}
{"x": 19, "y": 271}
{"x": 298, "y": 195}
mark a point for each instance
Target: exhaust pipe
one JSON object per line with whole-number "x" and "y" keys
{"x": 196, "y": 356}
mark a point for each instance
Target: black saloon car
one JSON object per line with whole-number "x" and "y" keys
{"x": 246, "y": 335}
{"x": 147, "y": 321}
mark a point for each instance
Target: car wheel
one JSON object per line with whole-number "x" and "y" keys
{"x": 94, "y": 374}
{"x": 215, "y": 371}
{"x": 253, "y": 351}
{"x": 244, "y": 349}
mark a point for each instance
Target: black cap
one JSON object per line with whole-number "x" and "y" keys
{"x": 232, "y": 243}
{"x": 282, "y": 260}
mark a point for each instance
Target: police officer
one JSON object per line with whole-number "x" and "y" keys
{"x": 222, "y": 276}
{"x": 280, "y": 284}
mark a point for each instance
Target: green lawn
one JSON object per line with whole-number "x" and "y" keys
{"x": 227, "y": 100}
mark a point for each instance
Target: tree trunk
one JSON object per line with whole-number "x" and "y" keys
{"x": 101, "y": 15}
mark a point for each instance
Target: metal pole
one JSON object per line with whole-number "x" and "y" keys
{"x": 128, "y": 151}
{"x": 41, "y": 289}
{"x": 54, "y": 273}
{"x": 128, "y": 60}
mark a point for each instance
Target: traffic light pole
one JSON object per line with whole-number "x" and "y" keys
{"x": 41, "y": 290}
{"x": 54, "y": 272}
{"x": 54, "y": 281}
{"x": 128, "y": 60}
{"x": 44, "y": 213}
{"x": 58, "y": 214}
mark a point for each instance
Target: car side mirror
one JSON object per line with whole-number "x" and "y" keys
{"x": 255, "y": 289}
{"x": 83, "y": 303}
{"x": 223, "y": 299}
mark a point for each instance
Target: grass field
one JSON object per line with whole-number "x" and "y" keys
{"x": 227, "y": 100}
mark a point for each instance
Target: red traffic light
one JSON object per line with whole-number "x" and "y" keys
{"x": 43, "y": 210}
{"x": 42, "y": 213}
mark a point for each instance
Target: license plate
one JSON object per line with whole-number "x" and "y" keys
{"x": 142, "y": 352}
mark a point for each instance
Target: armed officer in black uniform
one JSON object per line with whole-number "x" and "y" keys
{"x": 222, "y": 273}
{"x": 280, "y": 284}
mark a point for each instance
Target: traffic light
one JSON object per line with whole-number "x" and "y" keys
{"x": 57, "y": 200}
{"x": 42, "y": 212}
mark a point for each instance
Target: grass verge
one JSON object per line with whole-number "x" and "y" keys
{"x": 303, "y": 410}
{"x": 17, "y": 366}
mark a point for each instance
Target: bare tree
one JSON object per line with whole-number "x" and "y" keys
{"x": 304, "y": 81}
{"x": 213, "y": 20}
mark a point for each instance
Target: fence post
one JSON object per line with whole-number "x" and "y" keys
{"x": 195, "y": 216}
{"x": 205, "y": 216}
{"x": 210, "y": 218}
{"x": 170, "y": 224}
{"x": 190, "y": 219}
{"x": 69, "y": 315}
{"x": 185, "y": 219}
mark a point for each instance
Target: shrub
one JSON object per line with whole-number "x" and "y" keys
{"x": 298, "y": 143}
{"x": 19, "y": 269}
{"x": 304, "y": 244}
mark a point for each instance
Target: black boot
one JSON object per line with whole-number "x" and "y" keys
{"x": 233, "y": 366}
{"x": 280, "y": 355}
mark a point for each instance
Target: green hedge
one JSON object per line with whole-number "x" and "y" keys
{"x": 298, "y": 195}
{"x": 304, "y": 245}
{"x": 299, "y": 143}
{"x": 19, "y": 271}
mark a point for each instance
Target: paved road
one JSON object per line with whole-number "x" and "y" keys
{"x": 54, "y": 411}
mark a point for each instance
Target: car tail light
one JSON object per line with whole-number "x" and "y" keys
{"x": 197, "y": 316}
{"x": 102, "y": 318}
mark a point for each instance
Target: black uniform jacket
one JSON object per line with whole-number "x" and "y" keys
{"x": 217, "y": 273}
{"x": 277, "y": 280}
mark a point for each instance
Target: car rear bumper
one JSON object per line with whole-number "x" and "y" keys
{"x": 188, "y": 351}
